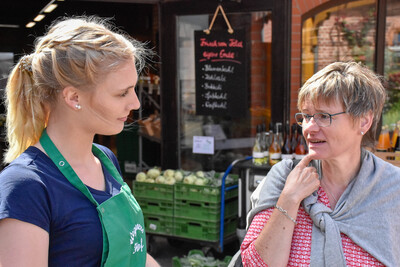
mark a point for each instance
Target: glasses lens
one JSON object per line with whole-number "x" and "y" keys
{"x": 299, "y": 118}
{"x": 323, "y": 119}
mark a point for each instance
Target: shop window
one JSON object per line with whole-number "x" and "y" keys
{"x": 391, "y": 113}
{"x": 342, "y": 32}
{"x": 233, "y": 135}
{"x": 347, "y": 31}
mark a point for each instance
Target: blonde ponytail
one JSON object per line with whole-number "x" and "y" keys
{"x": 26, "y": 115}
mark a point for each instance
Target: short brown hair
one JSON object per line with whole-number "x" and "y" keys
{"x": 353, "y": 85}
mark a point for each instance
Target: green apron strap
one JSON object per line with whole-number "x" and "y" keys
{"x": 108, "y": 164}
{"x": 64, "y": 166}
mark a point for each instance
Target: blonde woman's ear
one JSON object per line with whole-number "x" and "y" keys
{"x": 71, "y": 97}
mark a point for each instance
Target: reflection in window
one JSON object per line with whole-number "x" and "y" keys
{"x": 391, "y": 114}
{"x": 341, "y": 33}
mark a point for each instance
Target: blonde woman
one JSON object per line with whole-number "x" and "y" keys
{"x": 62, "y": 199}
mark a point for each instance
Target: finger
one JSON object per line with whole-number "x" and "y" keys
{"x": 305, "y": 161}
{"x": 309, "y": 173}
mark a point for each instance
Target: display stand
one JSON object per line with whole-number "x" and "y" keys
{"x": 250, "y": 176}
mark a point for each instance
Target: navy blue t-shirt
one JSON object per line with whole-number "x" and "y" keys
{"x": 33, "y": 190}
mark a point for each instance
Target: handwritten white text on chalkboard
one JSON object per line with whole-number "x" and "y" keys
{"x": 214, "y": 77}
{"x": 212, "y": 86}
{"x": 215, "y": 95}
{"x": 229, "y": 69}
{"x": 216, "y": 105}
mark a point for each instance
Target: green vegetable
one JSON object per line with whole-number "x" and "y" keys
{"x": 170, "y": 180}
{"x": 160, "y": 179}
{"x": 178, "y": 176}
{"x": 200, "y": 174}
{"x": 196, "y": 258}
{"x": 153, "y": 173}
{"x": 169, "y": 173}
{"x": 200, "y": 181}
{"x": 190, "y": 179}
{"x": 141, "y": 177}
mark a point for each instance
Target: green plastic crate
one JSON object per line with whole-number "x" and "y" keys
{"x": 159, "y": 224}
{"x": 156, "y": 207}
{"x": 204, "y": 211}
{"x": 203, "y": 230}
{"x": 153, "y": 191}
{"x": 206, "y": 193}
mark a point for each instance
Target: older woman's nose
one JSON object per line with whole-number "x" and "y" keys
{"x": 311, "y": 125}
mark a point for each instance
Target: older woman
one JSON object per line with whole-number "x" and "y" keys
{"x": 340, "y": 204}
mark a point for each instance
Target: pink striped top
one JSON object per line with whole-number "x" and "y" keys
{"x": 300, "y": 251}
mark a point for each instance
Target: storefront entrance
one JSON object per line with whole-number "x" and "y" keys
{"x": 264, "y": 80}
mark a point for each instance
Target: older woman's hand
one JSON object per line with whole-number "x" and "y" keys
{"x": 302, "y": 181}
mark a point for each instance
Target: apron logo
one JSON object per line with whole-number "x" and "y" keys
{"x": 137, "y": 246}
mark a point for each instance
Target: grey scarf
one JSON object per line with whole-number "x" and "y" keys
{"x": 368, "y": 212}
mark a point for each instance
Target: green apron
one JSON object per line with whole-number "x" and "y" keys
{"x": 124, "y": 238}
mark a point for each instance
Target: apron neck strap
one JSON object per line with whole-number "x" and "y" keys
{"x": 69, "y": 173}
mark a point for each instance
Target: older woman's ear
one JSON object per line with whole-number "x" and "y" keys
{"x": 366, "y": 122}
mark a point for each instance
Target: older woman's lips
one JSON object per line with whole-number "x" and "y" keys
{"x": 315, "y": 142}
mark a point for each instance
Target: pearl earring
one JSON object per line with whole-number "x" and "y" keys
{"x": 362, "y": 133}
{"x": 78, "y": 107}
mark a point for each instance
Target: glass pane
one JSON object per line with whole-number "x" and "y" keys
{"x": 233, "y": 137}
{"x": 340, "y": 33}
{"x": 391, "y": 114}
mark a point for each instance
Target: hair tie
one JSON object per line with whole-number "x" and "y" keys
{"x": 25, "y": 63}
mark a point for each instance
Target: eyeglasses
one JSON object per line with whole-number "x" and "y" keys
{"x": 321, "y": 119}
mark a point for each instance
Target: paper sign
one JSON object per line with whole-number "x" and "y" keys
{"x": 203, "y": 145}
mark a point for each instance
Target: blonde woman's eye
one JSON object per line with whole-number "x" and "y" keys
{"x": 125, "y": 93}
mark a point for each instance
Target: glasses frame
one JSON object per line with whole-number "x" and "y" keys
{"x": 308, "y": 117}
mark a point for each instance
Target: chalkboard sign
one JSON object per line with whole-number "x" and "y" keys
{"x": 221, "y": 82}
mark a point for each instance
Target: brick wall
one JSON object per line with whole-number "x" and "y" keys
{"x": 299, "y": 7}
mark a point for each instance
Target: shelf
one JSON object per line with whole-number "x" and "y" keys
{"x": 148, "y": 124}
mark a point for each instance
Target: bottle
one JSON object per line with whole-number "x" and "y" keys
{"x": 287, "y": 148}
{"x": 301, "y": 148}
{"x": 395, "y": 134}
{"x": 397, "y": 149}
{"x": 275, "y": 151}
{"x": 271, "y": 130}
{"x": 279, "y": 128}
{"x": 265, "y": 142}
{"x": 258, "y": 155}
{"x": 384, "y": 140}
